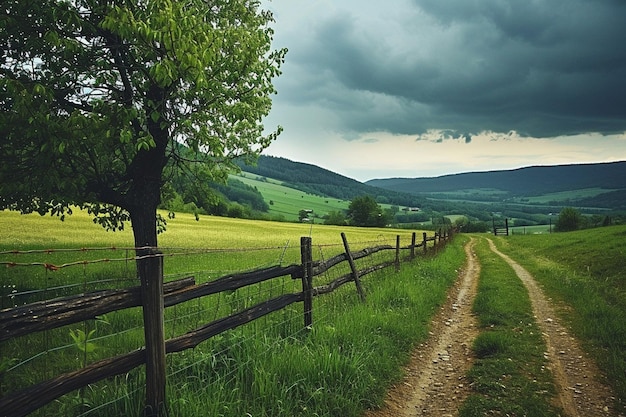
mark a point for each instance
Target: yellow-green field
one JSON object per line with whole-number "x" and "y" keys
{"x": 345, "y": 351}
{"x": 35, "y": 231}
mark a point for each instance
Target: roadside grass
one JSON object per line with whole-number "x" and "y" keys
{"x": 343, "y": 365}
{"x": 584, "y": 272}
{"x": 270, "y": 367}
{"x": 509, "y": 376}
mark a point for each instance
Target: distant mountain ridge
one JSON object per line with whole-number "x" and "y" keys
{"x": 528, "y": 181}
{"x": 599, "y": 185}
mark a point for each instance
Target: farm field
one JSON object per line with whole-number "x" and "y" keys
{"x": 235, "y": 373}
{"x": 562, "y": 197}
{"x": 34, "y": 231}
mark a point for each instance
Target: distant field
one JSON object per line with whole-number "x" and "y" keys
{"x": 530, "y": 230}
{"x": 563, "y": 196}
{"x": 288, "y": 202}
{"x": 471, "y": 194}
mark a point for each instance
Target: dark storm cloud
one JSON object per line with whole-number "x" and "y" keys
{"x": 540, "y": 67}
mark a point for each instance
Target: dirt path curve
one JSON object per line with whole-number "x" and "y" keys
{"x": 435, "y": 383}
{"x": 580, "y": 391}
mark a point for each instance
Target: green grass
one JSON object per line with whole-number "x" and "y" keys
{"x": 287, "y": 202}
{"x": 348, "y": 360}
{"x": 563, "y": 196}
{"x": 531, "y": 230}
{"x": 471, "y": 194}
{"x": 509, "y": 376}
{"x": 271, "y": 367}
{"x": 584, "y": 270}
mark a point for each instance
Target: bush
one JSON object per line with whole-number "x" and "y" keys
{"x": 569, "y": 219}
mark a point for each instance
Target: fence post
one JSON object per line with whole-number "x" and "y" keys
{"x": 397, "y": 253}
{"x": 355, "y": 272}
{"x": 150, "y": 265}
{"x": 413, "y": 237}
{"x": 306, "y": 256}
{"x": 424, "y": 242}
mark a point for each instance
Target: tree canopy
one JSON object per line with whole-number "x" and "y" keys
{"x": 365, "y": 211}
{"x": 102, "y": 102}
{"x": 569, "y": 219}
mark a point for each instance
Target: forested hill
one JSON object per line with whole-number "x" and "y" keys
{"x": 315, "y": 180}
{"x": 529, "y": 181}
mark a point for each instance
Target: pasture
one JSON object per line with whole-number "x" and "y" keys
{"x": 287, "y": 202}
{"x": 273, "y": 366}
{"x": 342, "y": 365}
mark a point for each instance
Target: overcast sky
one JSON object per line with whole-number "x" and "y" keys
{"x": 416, "y": 88}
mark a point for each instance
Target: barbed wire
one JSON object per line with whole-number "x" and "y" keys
{"x": 160, "y": 252}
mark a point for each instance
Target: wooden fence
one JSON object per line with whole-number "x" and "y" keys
{"x": 54, "y": 313}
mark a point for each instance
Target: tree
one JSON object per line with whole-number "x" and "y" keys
{"x": 103, "y": 102}
{"x": 569, "y": 219}
{"x": 99, "y": 98}
{"x": 365, "y": 211}
{"x": 303, "y": 215}
{"x": 336, "y": 218}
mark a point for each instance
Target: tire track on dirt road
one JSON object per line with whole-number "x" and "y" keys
{"x": 577, "y": 378}
{"x": 435, "y": 382}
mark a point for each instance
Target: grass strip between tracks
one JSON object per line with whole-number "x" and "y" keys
{"x": 510, "y": 375}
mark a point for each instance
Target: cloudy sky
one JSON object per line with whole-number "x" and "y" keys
{"x": 415, "y": 88}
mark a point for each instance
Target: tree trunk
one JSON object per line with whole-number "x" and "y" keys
{"x": 150, "y": 271}
{"x": 144, "y": 196}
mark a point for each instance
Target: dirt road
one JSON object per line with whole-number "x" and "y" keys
{"x": 435, "y": 383}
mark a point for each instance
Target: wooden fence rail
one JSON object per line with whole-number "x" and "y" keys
{"x": 40, "y": 316}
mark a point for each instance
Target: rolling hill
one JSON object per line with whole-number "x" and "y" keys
{"x": 315, "y": 180}
{"x": 527, "y": 196}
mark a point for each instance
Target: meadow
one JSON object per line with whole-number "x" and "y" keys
{"x": 271, "y": 367}
{"x": 584, "y": 273}
{"x": 354, "y": 351}
{"x": 287, "y": 202}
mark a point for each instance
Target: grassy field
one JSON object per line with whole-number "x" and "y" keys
{"x": 288, "y": 202}
{"x": 563, "y": 196}
{"x": 353, "y": 352}
{"x": 583, "y": 272}
{"x": 271, "y": 367}
{"x": 531, "y": 230}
